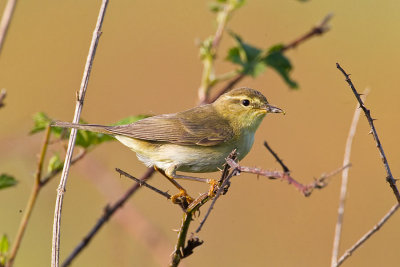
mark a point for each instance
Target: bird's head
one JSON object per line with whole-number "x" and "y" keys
{"x": 244, "y": 108}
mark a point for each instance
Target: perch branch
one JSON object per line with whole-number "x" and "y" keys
{"x": 181, "y": 251}
{"x": 306, "y": 190}
{"x": 78, "y": 108}
{"x": 367, "y": 112}
{"x": 108, "y": 212}
{"x": 343, "y": 187}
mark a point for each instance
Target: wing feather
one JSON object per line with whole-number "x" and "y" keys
{"x": 198, "y": 126}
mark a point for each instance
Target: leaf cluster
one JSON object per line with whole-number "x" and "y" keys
{"x": 253, "y": 60}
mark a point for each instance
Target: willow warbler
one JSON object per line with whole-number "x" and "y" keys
{"x": 196, "y": 140}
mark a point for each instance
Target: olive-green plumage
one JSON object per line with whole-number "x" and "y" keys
{"x": 195, "y": 140}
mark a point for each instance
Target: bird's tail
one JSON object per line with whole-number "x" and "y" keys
{"x": 87, "y": 127}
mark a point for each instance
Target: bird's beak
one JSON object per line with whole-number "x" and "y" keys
{"x": 272, "y": 109}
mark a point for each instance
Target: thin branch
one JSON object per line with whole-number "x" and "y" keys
{"x": 361, "y": 241}
{"x": 343, "y": 188}
{"x": 320, "y": 29}
{"x": 221, "y": 190}
{"x": 367, "y": 112}
{"x": 3, "y": 94}
{"x": 32, "y": 200}
{"x": 5, "y": 20}
{"x": 208, "y": 60}
{"x": 142, "y": 182}
{"x": 315, "y": 31}
{"x": 108, "y": 212}
{"x": 306, "y": 190}
{"x": 280, "y": 161}
{"x": 78, "y": 108}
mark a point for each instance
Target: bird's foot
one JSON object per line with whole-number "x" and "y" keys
{"x": 182, "y": 198}
{"x": 213, "y": 187}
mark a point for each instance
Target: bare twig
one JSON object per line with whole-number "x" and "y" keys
{"x": 367, "y": 112}
{"x": 320, "y": 29}
{"x": 3, "y": 94}
{"x": 343, "y": 188}
{"x": 306, "y": 190}
{"x": 5, "y": 20}
{"x": 361, "y": 241}
{"x": 315, "y": 31}
{"x": 31, "y": 202}
{"x": 108, "y": 212}
{"x": 279, "y": 160}
{"x": 78, "y": 108}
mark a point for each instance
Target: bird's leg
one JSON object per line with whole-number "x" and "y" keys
{"x": 213, "y": 183}
{"x": 177, "y": 199}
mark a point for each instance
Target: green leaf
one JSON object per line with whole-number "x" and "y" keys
{"x": 7, "y": 181}
{"x": 277, "y": 60}
{"x": 247, "y": 56}
{"x": 253, "y": 60}
{"x": 4, "y": 244}
{"x": 55, "y": 163}
{"x": 40, "y": 120}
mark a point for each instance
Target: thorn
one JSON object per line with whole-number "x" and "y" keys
{"x": 370, "y": 132}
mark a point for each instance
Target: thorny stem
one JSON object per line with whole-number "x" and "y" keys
{"x": 306, "y": 190}
{"x": 367, "y": 112}
{"x": 32, "y": 200}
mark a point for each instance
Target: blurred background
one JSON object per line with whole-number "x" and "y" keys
{"x": 147, "y": 63}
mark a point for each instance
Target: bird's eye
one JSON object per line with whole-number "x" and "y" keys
{"x": 245, "y": 102}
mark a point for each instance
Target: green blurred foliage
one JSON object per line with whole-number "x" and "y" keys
{"x": 55, "y": 163}
{"x": 7, "y": 181}
{"x": 4, "y": 244}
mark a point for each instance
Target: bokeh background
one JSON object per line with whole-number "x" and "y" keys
{"x": 147, "y": 62}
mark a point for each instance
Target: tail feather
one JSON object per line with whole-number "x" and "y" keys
{"x": 87, "y": 127}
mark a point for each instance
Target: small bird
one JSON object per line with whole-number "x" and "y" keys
{"x": 197, "y": 140}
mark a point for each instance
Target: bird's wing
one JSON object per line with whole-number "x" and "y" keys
{"x": 198, "y": 126}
